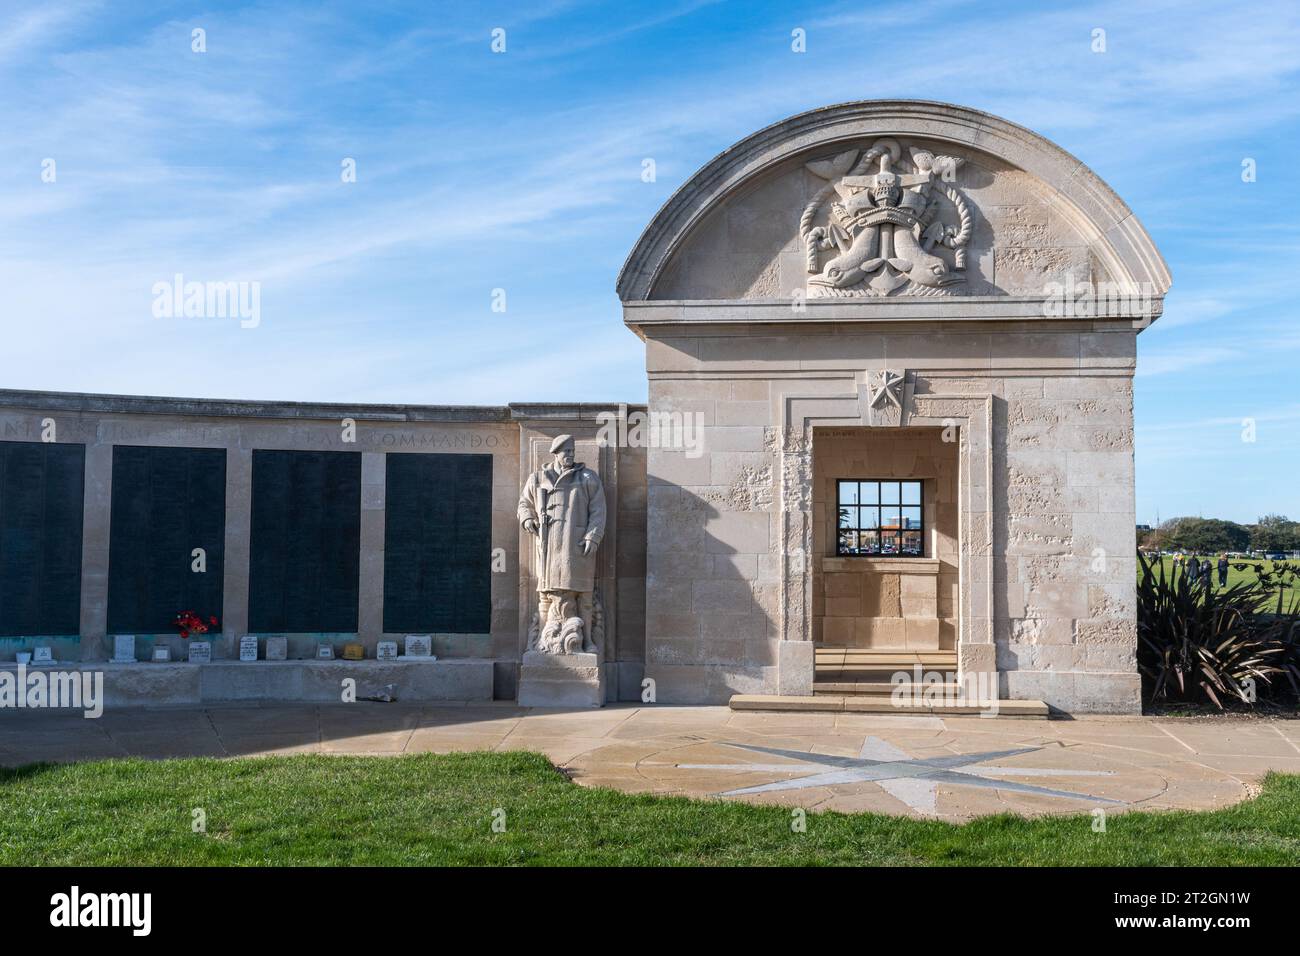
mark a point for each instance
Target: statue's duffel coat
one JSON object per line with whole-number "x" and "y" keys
{"x": 568, "y": 508}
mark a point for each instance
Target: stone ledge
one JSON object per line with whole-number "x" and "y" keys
{"x": 882, "y": 706}
{"x": 243, "y": 408}
{"x": 144, "y": 684}
{"x": 881, "y": 565}
{"x": 863, "y": 310}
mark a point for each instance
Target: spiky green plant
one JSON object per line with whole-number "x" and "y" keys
{"x": 1198, "y": 643}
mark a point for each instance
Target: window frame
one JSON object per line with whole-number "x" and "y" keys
{"x": 857, "y": 527}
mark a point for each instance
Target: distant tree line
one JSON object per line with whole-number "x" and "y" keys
{"x": 1210, "y": 535}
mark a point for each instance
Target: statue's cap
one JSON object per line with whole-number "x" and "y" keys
{"x": 560, "y": 442}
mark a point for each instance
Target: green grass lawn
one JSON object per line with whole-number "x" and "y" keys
{"x": 1234, "y": 576}
{"x": 432, "y": 809}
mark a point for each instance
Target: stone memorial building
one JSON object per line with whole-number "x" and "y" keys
{"x": 890, "y": 349}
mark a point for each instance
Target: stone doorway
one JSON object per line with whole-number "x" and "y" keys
{"x": 891, "y": 601}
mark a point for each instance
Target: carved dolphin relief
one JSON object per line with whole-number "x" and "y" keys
{"x": 884, "y": 226}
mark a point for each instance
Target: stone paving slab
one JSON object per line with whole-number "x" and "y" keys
{"x": 952, "y": 768}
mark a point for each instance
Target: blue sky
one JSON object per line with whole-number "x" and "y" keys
{"x": 522, "y": 171}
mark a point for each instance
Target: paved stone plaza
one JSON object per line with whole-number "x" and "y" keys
{"x": 951, "y": 768}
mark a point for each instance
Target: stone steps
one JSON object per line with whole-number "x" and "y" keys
{"x": 869, "y": 704}
{"x": 878, "y": 671}
{"x": 869, "y": 688}
{"x": 854, "y": 665}
{"x": 831, "y": 655}
{"x": 887, "y": 660}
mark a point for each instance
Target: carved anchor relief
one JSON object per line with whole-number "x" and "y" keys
{"x": 887, "y": 227}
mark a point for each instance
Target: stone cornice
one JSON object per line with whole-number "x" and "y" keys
{"x": 567, "y": 411}
{"x": 966, "y": 309}
{"x": 226, "y": 408}
{"x": 81, "y": 402}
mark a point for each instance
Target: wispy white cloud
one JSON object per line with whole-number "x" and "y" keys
{"x": 25, "y": 31}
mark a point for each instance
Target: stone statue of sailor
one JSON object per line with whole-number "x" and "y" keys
{"x": 563, "y": 506}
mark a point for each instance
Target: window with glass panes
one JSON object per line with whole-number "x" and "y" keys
{"x": 880, "y": 517}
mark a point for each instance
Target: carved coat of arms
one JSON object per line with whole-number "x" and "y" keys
{"x": 891, "y": 230}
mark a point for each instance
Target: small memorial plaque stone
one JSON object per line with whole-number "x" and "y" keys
{"x": 419, "y": 645}
{"x": 200, "y": 652}
{"x": 354, "y": 652}
{"x": 248, "y": 647}
{"x": 124, "y": 649}
{"x": 42, "y": 655}
{"x": 386, "y": 651}
{"x": 325, "y": 652}
{"x": 277, "y": 648}
{"x": 162, "y": 655}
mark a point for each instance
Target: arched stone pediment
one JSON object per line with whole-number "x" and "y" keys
{"x": 887, "y": 199}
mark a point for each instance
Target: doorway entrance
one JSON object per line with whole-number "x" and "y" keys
{"x": 885, "y": 512}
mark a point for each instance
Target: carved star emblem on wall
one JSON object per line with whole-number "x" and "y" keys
{"x": 912, "y": 780}
{"x": 886, "y": 388}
